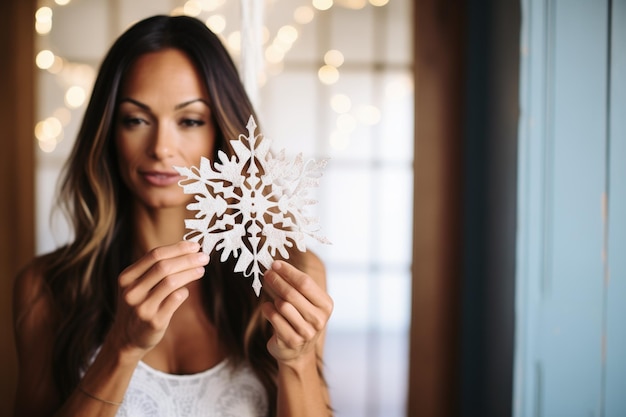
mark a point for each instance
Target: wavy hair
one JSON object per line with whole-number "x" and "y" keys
{"x": 81, "y": 275}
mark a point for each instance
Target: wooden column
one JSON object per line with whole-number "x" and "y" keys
{"x": 17, "y": 229}
{"x": 439, "y": 102}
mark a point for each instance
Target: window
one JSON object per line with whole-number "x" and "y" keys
{"x": 362, "y": 121}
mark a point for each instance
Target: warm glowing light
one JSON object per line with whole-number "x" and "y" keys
{"x": 217, "y": 23}
{"x": 281, "y": 46}
{"x": 378, "y": 3}
{"x": 43, "y": 20}
{"x": 322, "y": 4}
{"x": 353, "y": 4}
{"x": 57, "y": 65}
{"x": 177, "y": 11}
{"x": 40, "y": 131}
{"x": 334, "y": 58}
{"x": 303, "y": 15}
{"x": 346, "y": 123}
{"x": 328, "y": 74}
{"x": 43, "y": 13}
{"x": 340, "y": 103}
{"x": 339, "y": 140}
{"x": 53, "y": 127}
{"x": 234, "y": 41}
{"x": 274, "y": 54}
{"x": 62, "y": 2}
{"x": 369, "y": 115}
{"x": 75, "y": 96}
{"x": 192, "y": 8}
{"x": 43, "y": 27}
{"x": 287, "y": 34}
{"x": 47, "y": 146}
{"x": 44, "y": 59}
{"x": 48, "y": 129}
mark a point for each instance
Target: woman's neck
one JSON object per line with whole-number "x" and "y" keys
{"x": 158, "y": 227}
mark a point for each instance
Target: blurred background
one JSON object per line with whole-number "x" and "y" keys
{"x": 336, "y": 82}
{"x": 474, "y": 195}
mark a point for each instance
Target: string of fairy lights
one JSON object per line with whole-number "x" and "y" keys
{"x": 77, "y": 78}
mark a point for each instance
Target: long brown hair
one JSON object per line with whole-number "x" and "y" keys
{"x": 82, "y": 275}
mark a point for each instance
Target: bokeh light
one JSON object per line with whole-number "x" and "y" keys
{"x": 340, "y": 103}
{"x": 44, "y": 59}
{"x": 322, "y": 4}
{"x": 328, "y": 74}
{"x": 334, "y": 58}
{"x": 75, "y": 96}
{"x": 216, "y": 22}
{"x": 303, "y": 15}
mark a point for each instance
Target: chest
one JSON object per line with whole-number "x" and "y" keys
{"x": 221, "y": 391}
{"x": 190, "y": 345}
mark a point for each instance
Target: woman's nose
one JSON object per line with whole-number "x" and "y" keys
{"x": 163, "y": 143}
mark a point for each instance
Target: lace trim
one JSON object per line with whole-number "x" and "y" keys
{"x": 206, "y": 373}
{"x": 221, "y": 391}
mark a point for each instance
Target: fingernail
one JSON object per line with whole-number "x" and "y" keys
{"x": 202, "y": 257}
{"x": 192, "y": 246}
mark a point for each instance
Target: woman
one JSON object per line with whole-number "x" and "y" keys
{"x": 128, "y": 319}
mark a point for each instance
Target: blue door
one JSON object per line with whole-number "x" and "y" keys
{"x": 571, "y": 254}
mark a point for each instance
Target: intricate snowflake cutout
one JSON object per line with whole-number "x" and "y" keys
{"x": 251, "y": 205}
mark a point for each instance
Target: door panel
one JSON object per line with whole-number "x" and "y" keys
{"x": 571, "y": 276}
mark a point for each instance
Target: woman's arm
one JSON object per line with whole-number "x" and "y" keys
{"x": 151, "y": 290}
{"x": 299, "y": 313}
{"x": 34, "y": 323}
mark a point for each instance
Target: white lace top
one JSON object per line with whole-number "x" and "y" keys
{"x": 222, "y": 391}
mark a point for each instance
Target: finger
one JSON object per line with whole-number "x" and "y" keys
{"x": 136, "y": 270}
{"x": 293, "y": 306}
{"x": 173, "y": 301}
{"x": 282, "y": 328}
{"x": 167, "y": 275}
{"x": 297, "y": 321}
{"x": 268, "y": 290}
{"x": 172, "y": 283}
{"x": 158, "y": 316}
{"x": 279, "y": 287}
{"x": 189, "y": 262}
{"x": 301, "y": 282}
{"x": 317, "y": 315}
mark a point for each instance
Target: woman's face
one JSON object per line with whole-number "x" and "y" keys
{"x": 164, "y": 120}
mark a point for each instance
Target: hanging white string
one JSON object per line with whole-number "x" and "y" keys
{"x": 251, "y": 47}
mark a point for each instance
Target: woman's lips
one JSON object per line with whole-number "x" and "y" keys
{"x": 160, "y": 179}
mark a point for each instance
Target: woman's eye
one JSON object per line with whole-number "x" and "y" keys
{"x": 132, "y": 121}
{"x": 192, "y": 122}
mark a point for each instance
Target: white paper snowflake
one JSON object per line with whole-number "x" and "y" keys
{"x": 251, "y": 205}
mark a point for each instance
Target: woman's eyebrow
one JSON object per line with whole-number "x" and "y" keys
{"x": 136, "y": 103}
{"x": 186, "y": 103}
{"x": 177, "y": 107}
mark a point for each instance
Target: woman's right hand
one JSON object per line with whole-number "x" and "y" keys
{"x": 151, "y": 290}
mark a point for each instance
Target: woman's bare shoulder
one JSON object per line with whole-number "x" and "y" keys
{"x": 32, "y": 300}
{"x": 35, "y": 323}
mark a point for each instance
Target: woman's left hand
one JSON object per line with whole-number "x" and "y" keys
{"x": 298, "y": 312}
